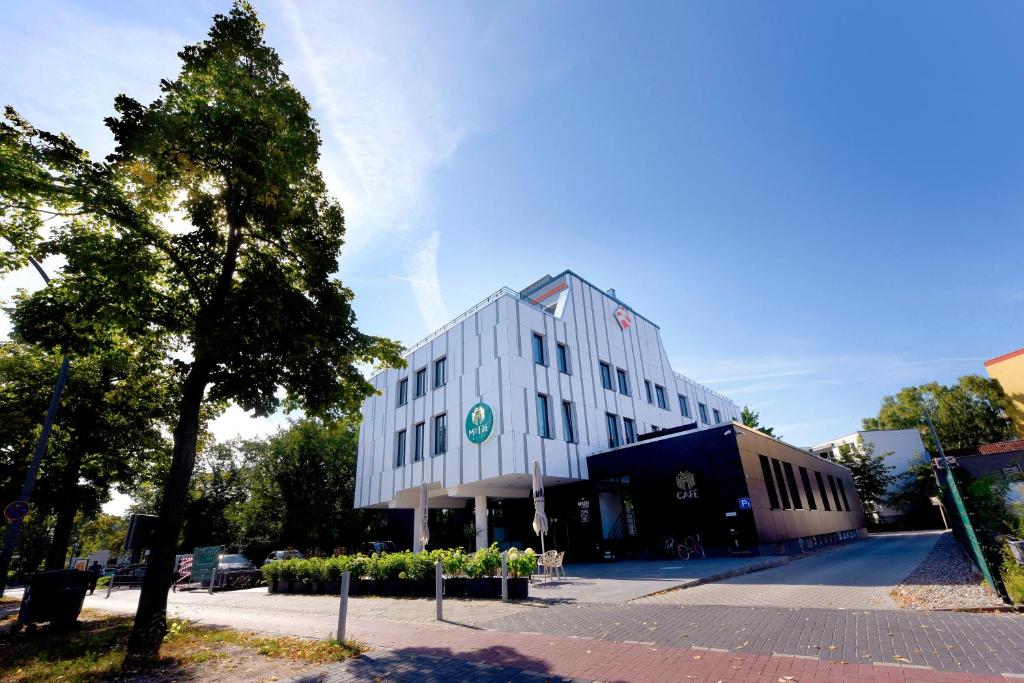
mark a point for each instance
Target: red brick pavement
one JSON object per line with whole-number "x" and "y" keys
{"x": 618, "y": 661}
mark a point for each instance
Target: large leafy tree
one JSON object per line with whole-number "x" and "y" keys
{"x": 971, "y": 412}
{"x": 871, "y": 475}
{"x": 111, "y": 424}
{"x": 752, "y": 418}
{"x": 213, "y": 229}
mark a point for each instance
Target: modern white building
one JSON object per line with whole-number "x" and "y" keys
{"x": 903, "y": 446}
{"x": 553, "y": 373}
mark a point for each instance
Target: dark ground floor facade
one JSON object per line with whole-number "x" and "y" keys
{"x": 736, "y": 490}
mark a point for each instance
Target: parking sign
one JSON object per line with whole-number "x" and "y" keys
{"x": 745, "y": 504}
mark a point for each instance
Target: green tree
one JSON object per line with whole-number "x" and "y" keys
{"x": 211, "y": 226}
{"x": 752, "y": 419}
{"x": 871, "y": 476}
{"x": 913, "y": 495}
{"x": 971, "y": 412}
{"x": 101, "y": 532}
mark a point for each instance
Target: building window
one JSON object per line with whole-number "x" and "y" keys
{"x": 417, "y": 442}
{"x": 808, "y": 491}
{"x": 538, "y": 350}
{"x": 421, "y": 382}
{"x": 718, "y": 415}
{"x": 659, "y": 393}
{"x": 562, "y": 358}
{"x": 440, "y": 372}
{"x": 568, "y": 423}
{"x": 647, "y": 390}
{"x": 400, "y": 449}
{"x": 543, "y": 417}
{"x": 769, "y": 482}
{"x": 842, "y": 493}
{"x": 684, "y": 406}
{"x": 822, "y": 491}
{"x": 612, "y": 421}
{"x": 835, "y": 493}
{"x": 623, "y": 381}
{"x": 794, "y": 492}
{"x": 403, "y": 391}
{"x": 703, "y": 410}
{"x": 630, "y": 428}
{"x": 777, "y": 468}
{"x": 441, "y": 434}
{"x": 606, "y": 376}
{"x": 655, "y": 428}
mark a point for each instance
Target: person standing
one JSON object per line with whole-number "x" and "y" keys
{"x": 97, "y": 571}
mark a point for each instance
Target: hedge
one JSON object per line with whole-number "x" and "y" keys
{"x": 402, "y": 565}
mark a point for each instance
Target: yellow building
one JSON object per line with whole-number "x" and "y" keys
{"x": 1009, "y": 370}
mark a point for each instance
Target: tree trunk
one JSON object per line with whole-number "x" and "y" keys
{"x": 67, "y": 508}
{"x": 151, "y": 616}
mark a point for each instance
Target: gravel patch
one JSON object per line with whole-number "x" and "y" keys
{"x": 946, "y": 579}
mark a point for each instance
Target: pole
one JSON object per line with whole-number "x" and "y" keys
{"x": 11, "y": 540}
{"x": 213, "y": 578}
{"x": 439, "y": 590}
{"x": 965, "y": 520}
{"x": 343, "y": 608}
{"x": 504, "y": 576}
{"x": 110, "y": 586}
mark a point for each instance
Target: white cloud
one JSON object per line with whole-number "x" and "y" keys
{"x": 235, "y": 422}
{"x": 426, "y": 285}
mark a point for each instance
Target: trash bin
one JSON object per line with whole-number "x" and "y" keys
{"x": 55, "y": 597}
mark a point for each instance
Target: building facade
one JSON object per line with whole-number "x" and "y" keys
{"x": 1009, "y": 370}
{"x": 552, "y": 373}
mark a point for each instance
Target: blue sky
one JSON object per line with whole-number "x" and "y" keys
{"x": 819, "y": 203}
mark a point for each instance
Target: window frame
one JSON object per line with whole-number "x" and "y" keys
{"x": 400, "y": 439}
{"x": 611, "y": 422}
{"x": 544, "y": 427}
{"x": 419, "y": 435}
{"x": 717, "y": 414}
{"x": 605, "y": 373}
{"x": 420, "y": 373}
{"x": 781, "y": 479}
{"x": 403, "y": 392}
{"x": 622, "y": 380}
{"x": 629, "y": 430}
{"x": 794, "y": 490}
{"x": 822, "y": 490}
{"x": 649, "y": 391}
{"x": 569, "y": 422}
{"x": 441, "y": 367}
{"x": 684, "y": 405}
{"x": 562, "y": 358}
{"x": 539, "y": 347}
{"x": 835, "y": 493}
{"x": 769, "y": 482}
{"x": 805, "y": 479}
{"x": 661, "y": 397}
{"x": 702, "y": 408}
{"x": 440, "y": 435}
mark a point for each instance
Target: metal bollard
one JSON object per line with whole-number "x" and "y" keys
{"x": 438, "y": 590}
{"x": 504, "y": 576}
{"x": 110, "y": 586}
{"x": 343, "y": 608}
{"x": 213, "y": 578}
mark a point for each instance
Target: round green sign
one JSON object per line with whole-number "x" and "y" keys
{"x": 479, "y": 423}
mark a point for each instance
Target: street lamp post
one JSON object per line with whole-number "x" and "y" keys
{"x": 11, "y": 540}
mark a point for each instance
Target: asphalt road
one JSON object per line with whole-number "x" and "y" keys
{"x": 857, "y": 576}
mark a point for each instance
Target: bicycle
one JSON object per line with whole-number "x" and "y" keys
{"x": 689, "y": 548}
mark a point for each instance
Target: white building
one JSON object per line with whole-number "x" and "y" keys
{"x": 904, "y": 447}
{"x": 554, "y": 373}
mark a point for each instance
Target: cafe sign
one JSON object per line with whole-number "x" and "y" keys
{"x": 479, "y": 423}
{"x": 686, "y": 483}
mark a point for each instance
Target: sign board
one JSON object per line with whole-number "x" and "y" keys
{"x": 745, "y": 504}
{"x": 203, "y": 562}
{"x": 622, "y": 317}
{"x": 686, "y": 482}
{"x": 16, "y": 510}
{"x": 730, "y": 514}
{"x": 479, "y": 423}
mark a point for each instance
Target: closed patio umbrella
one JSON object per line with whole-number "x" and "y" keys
{"x": 540, "y": 519}
{"x": 424, "y": 529}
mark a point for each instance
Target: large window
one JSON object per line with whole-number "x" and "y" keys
{"x": 808, "y": 491}
{"x": 543, "y": 417}
{"x": 440, "y": 372}
{"x": 842, "y": 494}
{"x": 703, "y": 410}
{"x": 400, "y": 449}
{"x": 539, "y": 357}
{"x": 822, "y": 491}
{"x": 630, "y": 429}
{"x": 562, "y": 358}
{"x": 421, "y": 382}
{"x": 568, "y": 422}
{"x": 684, "y": 406}
{"x": 718, "y": 415}
{"x": 769, "y": 482}
{"x": 440, "y": 434}
{"x": 659, "y": 393}
{"x": 418, "y": 434}
{"x": 612, "y": 422}
{"x": 403, "y": 391}
{"x": 794, "y": 492}
{"x": 777, "y": 468}
{"x": 835, "y": 493}
{"x": 606, "y": 375}
{"x": 647, "y": 390}
{"x": 623, "y": 381}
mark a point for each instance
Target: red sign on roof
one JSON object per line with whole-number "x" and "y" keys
{"x": 622, "y": 316}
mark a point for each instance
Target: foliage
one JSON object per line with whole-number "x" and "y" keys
{"x": 971, "y": 412}
{"x": 752, "y": 419}
{"x": 913, "y": 493}
{"x": 871, "y": 476}
{"x": 101, "y": 532}
{"x": 522, "y": 562}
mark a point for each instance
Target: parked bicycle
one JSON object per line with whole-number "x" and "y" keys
{"x": 688, "y": 548}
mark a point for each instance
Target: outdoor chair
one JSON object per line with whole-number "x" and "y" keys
{"x": 556, "y": 564}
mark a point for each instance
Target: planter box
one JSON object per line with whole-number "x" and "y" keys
{"x": 487, "y": 587}
{"x": 484, "y": 587}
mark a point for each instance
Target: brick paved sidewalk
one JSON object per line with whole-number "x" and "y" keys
{"x": 446, "y": 653}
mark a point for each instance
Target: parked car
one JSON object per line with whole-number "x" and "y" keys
{"x": 371, "y": 547}
{"x": 284, "y": 555}
{"x": 234, "y": 563}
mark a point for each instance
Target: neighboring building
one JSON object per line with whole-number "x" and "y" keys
{"x": 903, "y": 445}
{"x": 553, "y": 373}
{"x": 1009, "y": 370}
{"x": 1005, "y": 458}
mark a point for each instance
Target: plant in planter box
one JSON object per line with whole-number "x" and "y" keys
{"x": 521, "y": 563}
{"x": 419, "y": 566}
{"x": 485, "y": 562}
{"x": 454, "y": 563}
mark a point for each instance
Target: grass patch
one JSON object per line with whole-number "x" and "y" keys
{"x": 1014, "y": 582}
{"x": 95, "y": 651}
